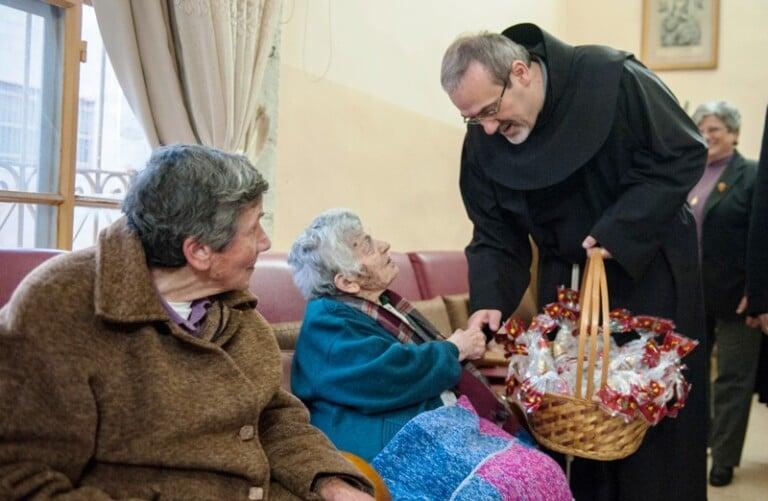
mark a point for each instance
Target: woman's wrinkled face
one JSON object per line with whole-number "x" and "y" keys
{"x": 378, "y": 269}
{"x": 720, "y": 141}
{"x": 233, "y": 266}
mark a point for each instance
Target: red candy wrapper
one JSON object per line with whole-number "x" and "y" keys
{"x": 652, "y": 354}
{"x": 658, "y": 326}
{"x": 543, "y": 324}
{"x": 558, "y": 311}
{"x": 507, "y": 337}
{"x": 679, "y": 343}
{"x": 621, "y": 320}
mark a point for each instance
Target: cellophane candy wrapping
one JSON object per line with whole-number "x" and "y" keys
{"x": 645, "y": 375}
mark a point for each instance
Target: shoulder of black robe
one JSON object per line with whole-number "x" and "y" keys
{"x": 578, "y": 112}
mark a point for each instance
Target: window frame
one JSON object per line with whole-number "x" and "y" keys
{"x": 65, "y": 201}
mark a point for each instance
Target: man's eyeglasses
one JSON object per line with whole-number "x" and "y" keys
{"x": 488, "y": 113}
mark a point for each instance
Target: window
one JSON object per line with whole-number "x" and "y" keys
{"x": 60, "y": 184}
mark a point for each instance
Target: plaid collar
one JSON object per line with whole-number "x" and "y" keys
{"x": 420, "y": 330}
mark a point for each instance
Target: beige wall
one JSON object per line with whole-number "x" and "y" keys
{"x": 373, "y": 131}
{"x": 742, "y": 73}
{"x": 342, "y": 148}
{"x": 376, "y": 133}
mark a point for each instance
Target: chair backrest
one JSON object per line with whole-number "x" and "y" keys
{"x": 15, "y": 264}
{"x": 281, "y": 301}
{"x": 440, "y": 273}
{"x": 272, "y": 283}
{"x": 405, "y": 283}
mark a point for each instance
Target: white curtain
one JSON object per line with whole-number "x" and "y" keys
{"x": 193, "y": 70}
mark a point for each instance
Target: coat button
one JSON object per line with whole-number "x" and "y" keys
{"x": 246, "y": 433}
{"x": 255, "y": 493}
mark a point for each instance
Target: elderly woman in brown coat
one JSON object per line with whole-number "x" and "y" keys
{"x": 139, "y": 368}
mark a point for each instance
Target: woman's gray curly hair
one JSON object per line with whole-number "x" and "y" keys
{"x": 324, "y": 249}
{"x": 725, "y": 111}
{"x": 189, "y": 190}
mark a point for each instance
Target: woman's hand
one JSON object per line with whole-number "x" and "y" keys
{"x": 335, "y": 489}
{"x": 470, "y": 342}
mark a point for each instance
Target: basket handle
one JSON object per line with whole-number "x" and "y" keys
{"x": 593, "y": 299}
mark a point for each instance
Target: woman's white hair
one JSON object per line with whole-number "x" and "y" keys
{"x": 725, "y": 111}
{"x": 324, "y": 249}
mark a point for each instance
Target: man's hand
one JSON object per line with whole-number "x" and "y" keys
{"x": 590, "y": 242}
{"x": 335, "y": 489}
{"x": 480, "y": 318}
{"x": 759, "y": 322}
{"x": 471, "y": 343}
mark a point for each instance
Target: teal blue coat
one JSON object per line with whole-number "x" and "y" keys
{"x": 360, "y": 383}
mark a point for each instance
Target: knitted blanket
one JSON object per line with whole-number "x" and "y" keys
{"x": 451, "y": 453}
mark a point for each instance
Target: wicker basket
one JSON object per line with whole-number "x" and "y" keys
{"x": 576, "y": 425}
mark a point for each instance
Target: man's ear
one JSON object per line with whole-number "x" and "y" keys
{"x": 198, "y": 255}
{"x": 344, "y": 284}
{"x": 521, "y": 71}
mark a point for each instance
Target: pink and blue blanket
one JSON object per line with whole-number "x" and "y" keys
{"x": 451, "y": 453}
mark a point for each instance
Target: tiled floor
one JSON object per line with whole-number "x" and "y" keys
{"x": 750, "y": 480}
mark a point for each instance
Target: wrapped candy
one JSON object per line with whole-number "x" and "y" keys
{"x": 617, "y": 403}
{"x": 645, "y": 378}
{"x": 560, "y": 312}
{"x": 565, "y": 341}
{"x": 678, "y": 342}
{"x": 568, "y": 297}
{"x": 621, "y": 320}
{"x": 543, "y": 324}
{"x": 507, "y": 336}
{"x": 658, "y": 326}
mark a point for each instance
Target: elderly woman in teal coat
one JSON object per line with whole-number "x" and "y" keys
{"x": 382, "y": 382}
{"x": 360, "y": 383}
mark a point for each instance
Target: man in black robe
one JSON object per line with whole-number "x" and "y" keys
{"x": 583, "y": 147}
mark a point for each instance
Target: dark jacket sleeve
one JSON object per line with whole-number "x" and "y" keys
{"x": 757, "y": 247}
{"x": 345, "y": 358}
{"x": 667, "y": 161}
{"x": 499, "y": 255}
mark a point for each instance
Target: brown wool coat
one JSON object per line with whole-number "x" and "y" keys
{"x": 102, "y": 395}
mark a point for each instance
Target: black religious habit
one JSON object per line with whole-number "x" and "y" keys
{"x": 612, "y": 155}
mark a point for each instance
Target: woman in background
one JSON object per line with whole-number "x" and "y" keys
{"x": 721, "y": 203}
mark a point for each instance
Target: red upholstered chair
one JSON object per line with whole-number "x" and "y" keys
{"x": 440, "y": 273}
{"x": 445, "y": 273}
{"x": 15, "y": 264}
{"x": 406, "y": 284}
{"x": 272, "y": 283}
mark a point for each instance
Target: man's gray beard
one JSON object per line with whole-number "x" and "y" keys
{"x": 525, "y": 130}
